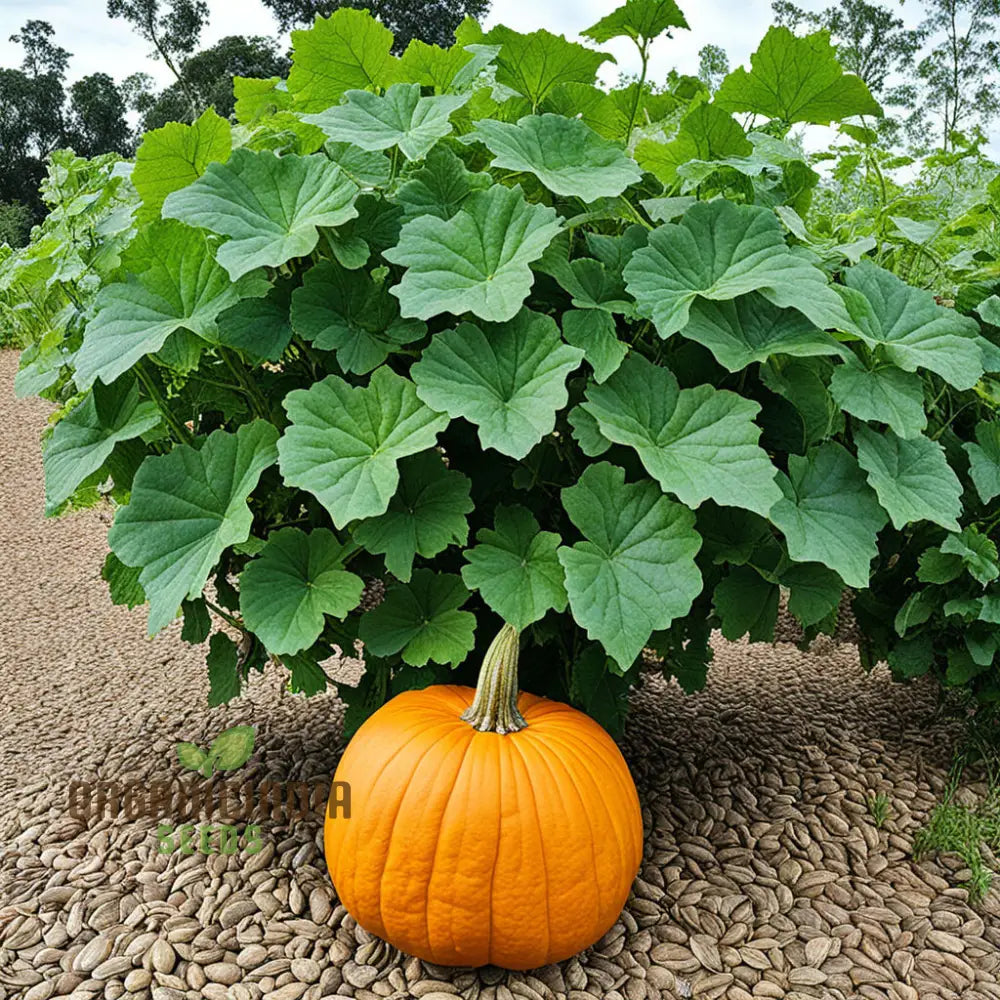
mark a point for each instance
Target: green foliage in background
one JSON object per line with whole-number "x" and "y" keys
{"x": 465, "y": 328}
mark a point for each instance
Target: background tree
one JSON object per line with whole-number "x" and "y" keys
{"x": 871, "y": 41}
{"x": 207, "y": 78}
{"x": 959, "y": 75}
{"x": 32, "y": 101}
{"x": 15, "y": 223}
{"x": 713, "y": 65}
{"x": 172, "y": 29}
{"x": 432, "y": 22}
{"x": 96, "y": 120}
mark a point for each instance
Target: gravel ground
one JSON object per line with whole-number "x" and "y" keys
{"x": 763, "y": 876}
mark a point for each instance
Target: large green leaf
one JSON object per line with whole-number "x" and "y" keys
{"x": 814, "y": 592}
{"x": 400, "y": 117}
{"x": 516, "y": 569}
{"x": 636, "y": 571}
{"x": 175, "y": 285}
{"x": 270, "y": 206}
{"x": 346, "y": 51}
{"x": 509, "y": 379}
{"x": 977, "y": 551}
{"x": 748, "y": 329}
{"x": 697, "y": 443}
{"x": 176, "y": 155}
{"x": 911, "y": 477}
{"x": 478, "y": 261}
{"x": 123, "y": 582}
{"x": 425, "y": 515}
{"x": 440, "y": 186}
{"x": 829, "y": 513}
{"x": 421, "y": 621}
{"x": 563, "y": 153}
{"x": 345, "y": 311}
{"x": 910, "y": 328}
{"x": 796, "y": 80}
{"x": 533, "y": 64}
{"x": 720, "y": 250}
{"x": 259, "y": 328}
{"x": 984, "y": 459}
{"x": 747, "y": 605}
{"x": 84, "y": 439}
{"x": 444, "y": 70}
{"x": 638, "y": 20}
{"x": 706, "y": 132}
{"x": 594, "y": 332}
{"x": 884, "y": 393}
{"x": 186, "y": 507}
{"x": 344, "y": 441}
{"x": 298, "y": 579}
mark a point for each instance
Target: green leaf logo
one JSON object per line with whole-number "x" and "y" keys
{"x": 230, "y": 749}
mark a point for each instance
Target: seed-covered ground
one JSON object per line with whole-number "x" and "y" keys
{"x": 764, "y": 873}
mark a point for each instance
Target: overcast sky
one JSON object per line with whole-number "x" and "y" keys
{"x": 100, "y": 44}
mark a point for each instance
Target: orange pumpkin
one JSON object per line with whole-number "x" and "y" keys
{"x": 485, "y": 826}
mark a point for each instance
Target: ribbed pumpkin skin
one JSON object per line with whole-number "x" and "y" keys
{"x": 468, "y": 848}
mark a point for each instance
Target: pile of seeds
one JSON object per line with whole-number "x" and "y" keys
{"x": 765, "y": 872}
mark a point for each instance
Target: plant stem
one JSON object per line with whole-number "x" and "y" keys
{"x": 224, "y": 615}
{"x": 644, "y": 55}
{"x": 494, "y": 709}
{"x": 257, "y": 401}
{"x": 179, "y": 430}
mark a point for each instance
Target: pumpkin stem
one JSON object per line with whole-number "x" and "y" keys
{"x": 494, "y": 709}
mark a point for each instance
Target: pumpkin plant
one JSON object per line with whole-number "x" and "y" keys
{"x": 421, "y": 347}
{"x": 485, "y": 826}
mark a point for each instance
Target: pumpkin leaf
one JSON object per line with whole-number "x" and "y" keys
{"x": 287, "y": 591}
{"x": 911, "y": 329}
{"x": 638, "y": 20}
{"x": 270, "y": 206}
{"x": 884, "y": 393}
{"x": 796, "y": 79}
{"x": 123, "y": 582}
{"x": 346, "y": 51}
{"x": 440, "y": 186}
{"x": 911, "y": 477}
{"x": 516, "y": 569}
{"x": 720, "y": 251}
{"x": 185, "y": 509}
{"x": 635, "y": 570}
{"x": 742, "y": 331}
{"x": 814, "y": 592}
{"x": 174, "y": 285}
{"x": 345, "y": 311}
{"x": 939, "y": 567}
{"x": 567, "y": 156}
{"x": 829, "y": 513}
{"x": 84, "y": 439}
{"x": 344, "y": 441}
{"x": 977, "y": 551}
{"x": 400, "y": 117}
{"x": 420, "y": 620}
{"x": 223, "y": 670}
{"x": 697, "y": 443}
{"x": 425, "y": 515}
{"x": 508, "y": 379}
{"x": 534, "y": 63}
{"x": 984, "y": 459}
{"x": 706, "y": 132}
{"x": 478, "y": 261}
{"x": 594, "y": 332}
{"x": 746, "y": 605}
{"x": 176, "y": 155}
